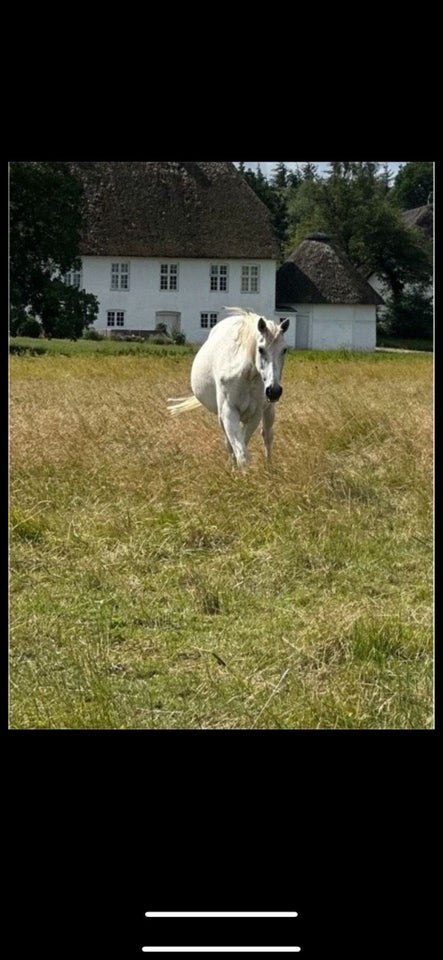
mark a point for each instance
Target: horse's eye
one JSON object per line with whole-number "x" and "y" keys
{"x": 261, "y": 351}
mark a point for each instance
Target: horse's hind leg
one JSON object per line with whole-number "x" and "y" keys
{"x": 267, "y": 431}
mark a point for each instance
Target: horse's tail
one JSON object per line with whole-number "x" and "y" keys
{"x": 182, "y": 404}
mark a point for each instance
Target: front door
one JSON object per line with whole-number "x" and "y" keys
{"x": 170, "y": 318}
{"x": 302, "y": 331}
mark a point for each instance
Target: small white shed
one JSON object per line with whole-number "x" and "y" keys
{"x": 333, "y": 306}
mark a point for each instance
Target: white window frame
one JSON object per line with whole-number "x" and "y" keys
{"x": 115, "y": 319}
{"x": 208, "y": 319}
{"x": 119, "y": 276}
{"x": 219, "y": 277}
{"x": 73, "y": 278}
{"x": 169, "y": 274}
{"x": 250, "y": 278}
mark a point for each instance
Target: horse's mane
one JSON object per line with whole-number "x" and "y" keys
{"x": 246, "y": 334}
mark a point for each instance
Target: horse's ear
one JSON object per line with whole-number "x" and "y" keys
{"x": 262, "y": 325}
{"x": 284, "y": 324}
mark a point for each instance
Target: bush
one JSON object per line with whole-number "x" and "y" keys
{"x": 178, "y": 337}
{"x": 410, "y": 316}
{"x": 25, "y": 326}
{"x": 93, "y": 334}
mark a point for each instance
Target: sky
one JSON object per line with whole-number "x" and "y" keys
{"x": 267, "y": 166}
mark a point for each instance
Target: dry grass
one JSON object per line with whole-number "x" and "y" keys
{"x": 153, "y": 587}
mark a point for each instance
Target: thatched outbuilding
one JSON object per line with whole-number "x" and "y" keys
{"x": 333, "y": 304}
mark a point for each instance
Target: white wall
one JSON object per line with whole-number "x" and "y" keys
{"x": 332, "y": 326}
{"x": 144, "y": 297}
{"x": 352, "y": 326}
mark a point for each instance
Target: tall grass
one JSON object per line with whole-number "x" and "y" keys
{"x": 153, "y": 587}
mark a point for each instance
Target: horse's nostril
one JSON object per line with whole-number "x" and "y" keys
{"x": 274, "y": 393}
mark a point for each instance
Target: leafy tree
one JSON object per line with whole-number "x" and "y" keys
{"x": 273, "y": 200}
{"x": 26, "y": 326}
{"x": 305, "y": 213}
{"x": 67, "y": 311}
{"x": 413, "y": 186}
{"x": 410, "y": 315}
{"x": 351, "y": 206}
{"x": 45, "y": 224}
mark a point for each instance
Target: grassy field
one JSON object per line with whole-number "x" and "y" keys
{"x": 153, "y": 587}
{"x": 403, "y": 344}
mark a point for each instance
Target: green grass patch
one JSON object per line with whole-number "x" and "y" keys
{"x": 152, "y": 587}
{"x": 98, "y": 348}
{"x": 402, "y": 344}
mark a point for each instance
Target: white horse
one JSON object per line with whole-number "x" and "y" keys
{"x": 236, "y": 374}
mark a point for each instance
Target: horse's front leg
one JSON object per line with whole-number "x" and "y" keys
{"x": 267, "y": 431}
{"x": 227, "y": 444}
{"x": 235, "y": 433}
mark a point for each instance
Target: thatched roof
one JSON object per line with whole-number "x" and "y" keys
{"x": 160, "y": 209}
{"x": 422, "y": 217}
{"x": 316, "y": 272}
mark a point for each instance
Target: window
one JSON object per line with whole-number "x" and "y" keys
{"x": 119, "y": 276}
{"x": 250, "y": 279}
{"x": 219, "y": 277}
{"x": 73, "y": 278}
{"x": 169, "y": 276}
{"x": 115, "y": 318}
{"x": 208, "y": 320}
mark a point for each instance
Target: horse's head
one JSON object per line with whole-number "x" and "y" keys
{"x": 269, "y": 356}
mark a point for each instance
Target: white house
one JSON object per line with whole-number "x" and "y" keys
{"x": 173, "y": 243}
{"x": 332, "y": 303}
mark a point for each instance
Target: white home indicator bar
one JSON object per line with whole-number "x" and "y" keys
{"x": 221, "y": 949}
{"x": 208, "y": 913}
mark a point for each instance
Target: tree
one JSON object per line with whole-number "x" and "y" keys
{"x": 386, "y": 177}
{"x": 305, "y": 214}
{"x": 279, "y": 176}
{"x": 45, "y": 224}
{"x": 67, "y": 311}
{"x": 352, "y": 207}
{"x": 295, "y": 178}
{"x": 309, "y": 171}
{"x": 413, "y": 185}
{"x": 410, "y": 315}
{"x": 273, "y": 200}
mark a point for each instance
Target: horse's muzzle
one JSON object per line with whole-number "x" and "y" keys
{"x": 274, "y": 393}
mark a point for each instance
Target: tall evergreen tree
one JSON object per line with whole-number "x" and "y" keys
{"x": 295, "y": 178}
{"x": 280, "y": 176}
{"x": 309, "y": 171}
